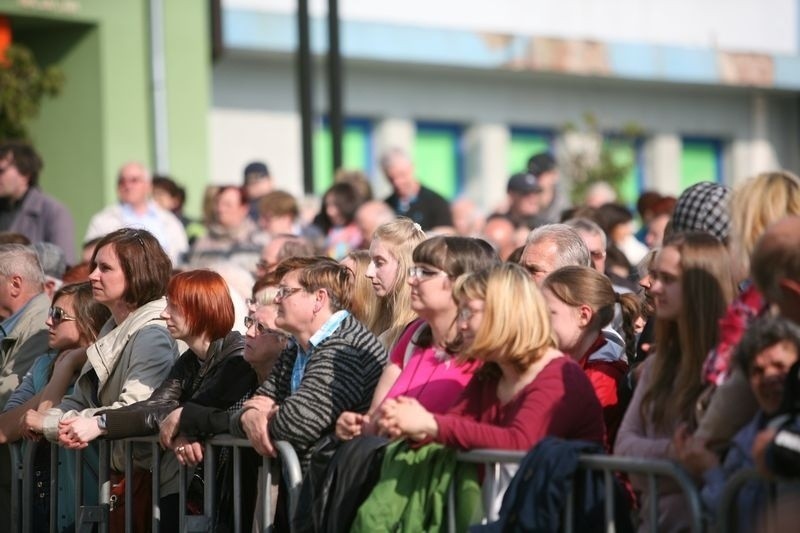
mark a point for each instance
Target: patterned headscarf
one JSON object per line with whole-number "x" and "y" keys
{"x": 703, "y": 207}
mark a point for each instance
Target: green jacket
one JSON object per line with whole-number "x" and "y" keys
{"x": 411, "y": 495}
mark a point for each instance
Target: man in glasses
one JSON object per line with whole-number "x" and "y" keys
{"x": 137, "y": 209}
{"x": 24, "y": 208}
{"x": 23, "y": 333}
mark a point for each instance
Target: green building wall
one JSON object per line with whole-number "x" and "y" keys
{"x": 103, "y": 117}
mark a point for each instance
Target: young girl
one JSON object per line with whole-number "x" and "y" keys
{"x": 581, "y": 302}
{"x": 390, "y": 258}
{"x": 692, "y": 285}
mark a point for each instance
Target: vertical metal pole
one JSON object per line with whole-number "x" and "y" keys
{"x": 304, "y": 93}
{"x": 158, "y": 74}
{"x": 335, "y": 84}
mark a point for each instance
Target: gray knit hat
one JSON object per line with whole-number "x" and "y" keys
{"x": 703, "y": 207}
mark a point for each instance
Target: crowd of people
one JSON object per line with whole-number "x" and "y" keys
{"x": 379, "y": 337}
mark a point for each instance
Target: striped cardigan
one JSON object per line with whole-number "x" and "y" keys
{"x": 341, "y": 375}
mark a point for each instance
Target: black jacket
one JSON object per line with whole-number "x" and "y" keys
{"x": 219, "y": 382}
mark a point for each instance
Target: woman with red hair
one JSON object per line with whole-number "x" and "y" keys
{"x": 211, "y": 373}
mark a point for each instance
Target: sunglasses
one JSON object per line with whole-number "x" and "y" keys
{"x": 58, "y": 315}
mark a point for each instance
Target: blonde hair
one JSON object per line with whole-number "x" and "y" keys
{"x": 756, "y": 204}
{"x": 393, "y": 312}
{"x": 516, "y": 322}
{"x": 707, "y": 287}
{"x": 364, "y": 303}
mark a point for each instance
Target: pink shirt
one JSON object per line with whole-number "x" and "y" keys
{"x": 435, "y": 380}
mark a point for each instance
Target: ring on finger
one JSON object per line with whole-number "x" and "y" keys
{"x": 181, "y": 448}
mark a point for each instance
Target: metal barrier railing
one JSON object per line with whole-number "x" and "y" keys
{"x": 609, "y": 465}
{"x": 773, "y": 491}
{"x": 88, "y": 515}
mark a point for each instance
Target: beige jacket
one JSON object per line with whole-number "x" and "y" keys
{"x": 24, "y": 343}
{"x": 129, "y": 361}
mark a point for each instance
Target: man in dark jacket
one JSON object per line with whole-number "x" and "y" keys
{"x": 410, "y": 198}
{"x": 24, "y": 208}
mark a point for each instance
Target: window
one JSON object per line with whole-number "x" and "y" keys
{"x": 356, "y": 151}
{"x": 627, "y": 151}
{"x": 438, "y": 158}
{"x": 701, "y": 160}
{"x": 525, "y": 143}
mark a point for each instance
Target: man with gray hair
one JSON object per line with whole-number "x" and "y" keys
{"x": 551, "y": 247}
{"x": 23, "y": 333}
{"x": 136, "y": 209}
{"x": 410, "y": 198}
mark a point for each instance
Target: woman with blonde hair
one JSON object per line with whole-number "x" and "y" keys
{"x": 525, "y": 391}
{"x": 390, "y": 251}
{"x": 692, "y": 285}
{"x": 364, "y": 304}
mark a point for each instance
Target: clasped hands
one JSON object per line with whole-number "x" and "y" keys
{"x": 405, "y": 417}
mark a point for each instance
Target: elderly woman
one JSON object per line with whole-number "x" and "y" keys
{"x": 332, "y": 366}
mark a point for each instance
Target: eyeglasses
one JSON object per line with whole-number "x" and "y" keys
{"x": 285, "y": 292}
{"x": 465, "y": 313}
{"x": 261, "y": 329}
{"x": 423, "y": 273}
{"x": 58, "y": 315}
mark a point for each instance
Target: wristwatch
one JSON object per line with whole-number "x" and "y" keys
{"x": 101, "y": 422}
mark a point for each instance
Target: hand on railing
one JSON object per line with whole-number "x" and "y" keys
{"x": 349, "y": 425}
{"x": 168, "y": 428}
{"x": 406, "y": 417}
{"x": 31, "y": 424}
{"x": 255, "y": 415}
{"x": 189, "y": 453}
{"x": 76, "y": 433}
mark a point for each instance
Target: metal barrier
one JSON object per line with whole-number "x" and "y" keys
{"x": 774, "y": 489}
{"x": 609, "y": 465}
{"x": 89, "y": 515}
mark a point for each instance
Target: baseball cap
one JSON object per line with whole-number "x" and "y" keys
{"x": 256, "y": 169}
{"x": 523, "y": 183}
